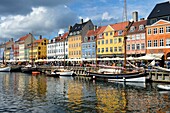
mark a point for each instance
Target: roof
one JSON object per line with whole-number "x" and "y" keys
{"x": 38, "y": 41}
{"x": 78, "y": 26}
{"x": 136, "y": 25}
{"x": 61, "y": 38}
{"x": 119, "y": 27}
{"x": 24, "y": 37}
{"x": 161, "y": 9}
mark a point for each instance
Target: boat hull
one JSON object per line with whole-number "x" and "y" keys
{"x": 5, "y": 69}
{"x": 28, "y": 69}
{"x": 127, "y": 77}
{"x": 163, "y": 87}
{"x": 66, "y": 73}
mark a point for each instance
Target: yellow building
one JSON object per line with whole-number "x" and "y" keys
{"x": 112, "y": 42}
{"x": 75, "y": 38}
{"x": 39, "y": 49}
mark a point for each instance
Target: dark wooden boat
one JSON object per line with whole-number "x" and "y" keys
{"x": 16, "y": 68}
{"x": 122, "y": 77}
{"x": 28, "y": 69}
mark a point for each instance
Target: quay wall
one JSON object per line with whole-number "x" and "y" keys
{"x": 81, "y": 72}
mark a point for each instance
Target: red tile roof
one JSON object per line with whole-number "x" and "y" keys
{"x": 136, "y": 25}
{"x": 119, "y": 26}
{"x": 38, "y": 41}
{"x": 24, "y": 37}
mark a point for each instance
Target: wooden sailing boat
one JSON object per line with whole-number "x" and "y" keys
{"x": 119, "y": 75}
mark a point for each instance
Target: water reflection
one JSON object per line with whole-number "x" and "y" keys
{"x": 25, "y": 93}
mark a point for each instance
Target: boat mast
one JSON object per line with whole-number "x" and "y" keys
{"x": 125, "y": 32}
{"x": 64, "y": 51}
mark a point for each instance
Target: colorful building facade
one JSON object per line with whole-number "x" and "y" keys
{"x": 76, "y": 36}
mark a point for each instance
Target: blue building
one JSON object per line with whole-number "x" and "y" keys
{"x": 89, "y": 44}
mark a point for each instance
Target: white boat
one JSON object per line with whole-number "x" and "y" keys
{"x": 164, "y": 87}
{"x": 5, "y": 69}
{"x": 64, "y": 72}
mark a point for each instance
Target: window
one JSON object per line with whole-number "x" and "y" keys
{"x": 143, "y": 36}
{"x": 132, "y": 28}
{"x": 137, "y": 36}
{"x": 111, "y": 41}
{"x": 149, "y": 43}
{"x": 106, "y": 49}
{"x": 98, "y": 50}
{"x": 120, "y": 40}
{"x": 106, "y": 41}
{"x": 168, "y": 42}
{"x": 111, "y": 33}
{"x": 128, "y": 47}
{"x": 161, "y": 42}
{"x": 142, "y": 46}
{"x": 98, "y": 42}
{"x": 138, "y": 46}
{"x": 100, "y": 35}
{"x": 161, "y": 30}
{"x": 102, "y": 50}
{"x": 149, "y": 31}
{"x": 153, "y": 20}
{"x": 133, "y": 37}
{"x": 120, "y": 49}
{"x": 141, "y": 27}
{"x": 168, "y": 29}
{"x": 106, "y": 33}
{"x": 155, "y": 31}
{"x": 155, "y": 43}
{"x": 115, "y": 40}
{"x": 111, "y": 49}
{"x": 115, "y": 49}
{"x": 120, "y": 32}
{"x": 133, "y": 46}
{"x": 102, "y": 41}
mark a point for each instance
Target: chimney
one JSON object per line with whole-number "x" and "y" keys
{"x": 69, "y": 28}
{"x": 135, "y": 16}
{"x": 40, "y": 37}
{"x": 142, "y": 19}
{"x": 81, "y": 21}
{"x": 12, "y": 39}
{"x": 95, "y": 27}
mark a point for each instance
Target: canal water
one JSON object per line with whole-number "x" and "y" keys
{"x": 24, "y": 93}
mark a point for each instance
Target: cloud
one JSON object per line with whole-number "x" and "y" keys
{"x": 106, "y": 16}
{"x": 40, "y": 21}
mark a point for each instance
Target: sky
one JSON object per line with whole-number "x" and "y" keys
{"x": 52, "y": 17}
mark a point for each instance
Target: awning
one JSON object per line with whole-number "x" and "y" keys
{"x": 157, "y": 56}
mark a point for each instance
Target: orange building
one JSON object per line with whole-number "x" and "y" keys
{"x": 158, "y": 39}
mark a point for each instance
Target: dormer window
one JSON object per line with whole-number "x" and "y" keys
{"x": 71, "y": 33}
{"x": 100, "y": 35}
{"x": 86, "y": 39}
{"x": 132, "y": 29}
{"x": 120, "y": 32}
{"x": 141, "y": 27}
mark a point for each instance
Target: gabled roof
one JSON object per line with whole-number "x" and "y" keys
{"x": 24, "y": 37}
{"x": 101, "y": 29}
{"x": 61, "y": 38}
{"x": 38, "y": 41}
{"x": 161, "y": 9}
{"x": 136, "y": 25}
{"x": 161, "y": 22}
{"x": 119, "y": 26}
{"x": 78, "y": 26}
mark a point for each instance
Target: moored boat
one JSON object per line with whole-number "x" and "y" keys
{"x": 28, "y": 69}
{"x": 163, "y": 87}
{"x": 5, "y": 69}
{"x": 120, "y": 77}
{"x": 64, "y": 72}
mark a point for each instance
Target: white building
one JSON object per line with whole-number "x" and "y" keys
{"x": 57, "y": 48}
